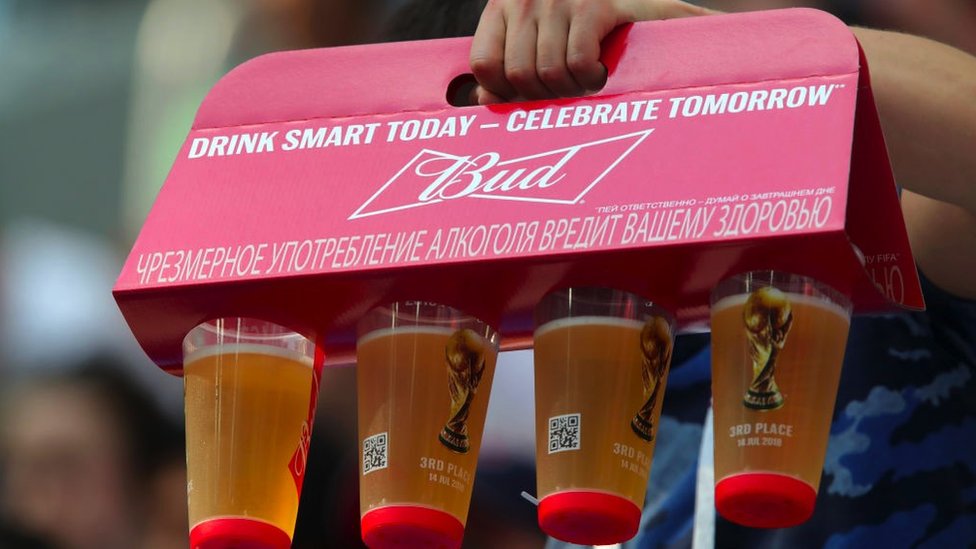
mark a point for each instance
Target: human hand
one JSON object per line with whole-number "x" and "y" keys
{"x": 538, "y": 49}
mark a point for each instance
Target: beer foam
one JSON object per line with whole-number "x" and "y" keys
{"x": 406, "y": 330}
{"x": 247, "y": 348}
{"x": 571, "y": 322}
{"x": 739, "y": 300}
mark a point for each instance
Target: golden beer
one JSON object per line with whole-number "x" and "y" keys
{"x": 423, "y": 397}
{"x": 789, "y": 436}
{"x": 591, "y": 366}
{"x": 246, "y": 412}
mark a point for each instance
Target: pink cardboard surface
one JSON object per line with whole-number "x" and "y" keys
{"x": 317, "y": 184}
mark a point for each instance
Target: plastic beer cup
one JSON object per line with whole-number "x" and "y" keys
{"x": 424, "y": 374}
{"x": 601, "y": 365}
{"x": 250, "y": 391}
{"x": 777, "y": 348}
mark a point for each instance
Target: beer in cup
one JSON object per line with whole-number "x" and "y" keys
{"x": 424, "y": 374}
{"x": 601, "y": 364}
{"x": 777, "y": 349}
{"x": 250, "y": 392}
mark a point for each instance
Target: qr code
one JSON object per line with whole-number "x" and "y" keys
{"x": 564, "y": 433}
{"x": 376, "y": 453}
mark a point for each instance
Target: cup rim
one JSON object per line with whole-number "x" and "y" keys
{"x": 773, "y": 277}
{"x": 209, "y": 325}
{"x": 453, "y": 317}
{"x": 650, "y": 306}
{"x": 206, "y": 334}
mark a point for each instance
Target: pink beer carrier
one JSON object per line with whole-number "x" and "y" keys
{"x": 315, "y": 185}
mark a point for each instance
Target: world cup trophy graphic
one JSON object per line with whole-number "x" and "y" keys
{"x": 656, "y": 345}
{"x": 465, "y": 354}
{"x": 768, "y": 317}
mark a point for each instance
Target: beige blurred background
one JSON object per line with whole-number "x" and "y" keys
{"x": 96, "y": 97}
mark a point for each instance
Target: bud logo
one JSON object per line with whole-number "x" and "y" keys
{"x": 560, "y": 176}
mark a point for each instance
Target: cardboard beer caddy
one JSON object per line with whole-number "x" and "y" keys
{"x": 315, "y": 185}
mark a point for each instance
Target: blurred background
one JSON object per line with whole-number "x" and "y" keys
{"x": 96, "y": 97}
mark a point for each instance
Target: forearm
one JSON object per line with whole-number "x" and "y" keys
{"x": 926, "y": 97}
{"x": 943, "y": 238}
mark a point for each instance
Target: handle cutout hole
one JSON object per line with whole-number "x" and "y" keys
{"x": 460, "y": 92}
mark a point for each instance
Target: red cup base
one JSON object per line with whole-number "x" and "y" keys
{"x": 764, "y": 500}
{"x": 407, "y": 527}
{"x": 589, "y": 518}
{"x": 238, "y": 533}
